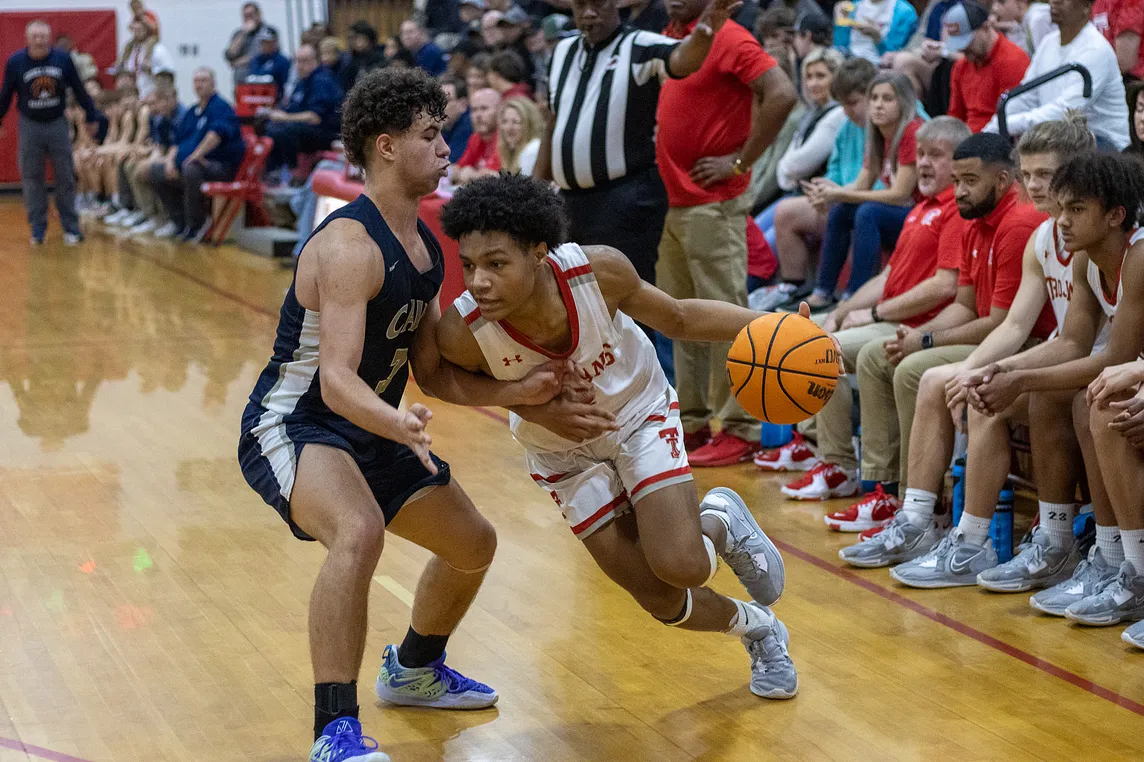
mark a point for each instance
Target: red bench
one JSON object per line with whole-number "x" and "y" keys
{"x": 246, "y": 188}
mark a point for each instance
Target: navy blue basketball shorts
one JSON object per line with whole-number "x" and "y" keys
{"x": 268, "y": 455}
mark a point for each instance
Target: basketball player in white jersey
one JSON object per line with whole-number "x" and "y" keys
{"x": 619, "y": 475}
{"x": 1046, "y": 276}
{"x": 1100, "y": 199}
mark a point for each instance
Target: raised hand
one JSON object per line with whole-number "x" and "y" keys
{"x": 716, "y": 14}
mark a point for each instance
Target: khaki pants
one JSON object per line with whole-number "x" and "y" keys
{"x": 137, "y": 171}
{"x": 833, "y": 423}
{"x": 888, "y": 396}
{"x": 703, "y": 255}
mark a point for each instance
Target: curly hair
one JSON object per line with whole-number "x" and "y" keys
{"x": 388, "y": 100}
{"x": 1111, "y": 179}
{"x": 528, "y": 210}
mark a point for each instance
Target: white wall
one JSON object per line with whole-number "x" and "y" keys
{"x": 195, "y": 31}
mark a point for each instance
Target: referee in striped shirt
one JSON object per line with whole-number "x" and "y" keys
{"x": 600, "y": 145}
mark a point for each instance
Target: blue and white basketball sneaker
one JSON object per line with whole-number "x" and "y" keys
{"x": 342, "y": 741}
{"x": 434, "y": 685}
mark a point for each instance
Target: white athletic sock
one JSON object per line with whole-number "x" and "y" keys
{"x": 1057, "y": 520}
{"x": 748, "y": 618}
{"x": 919, "y": 505}
{"x": 974, "y": 528}
{"x": 1132, "y": 541}
{"x": 711, "y": 556}
{"x": 1108, "y": 540}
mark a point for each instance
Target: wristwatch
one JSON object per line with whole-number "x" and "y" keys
{"x": 737, "y": 167}
{"x": 927, "y": 340}
{"x": 874, "y": 314}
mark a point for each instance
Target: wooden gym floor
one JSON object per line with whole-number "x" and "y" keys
{"x": 152, "y": 608}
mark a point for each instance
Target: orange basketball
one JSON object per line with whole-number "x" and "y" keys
{"x": 783, "y": 368}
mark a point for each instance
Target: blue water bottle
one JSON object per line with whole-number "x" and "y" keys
{"x": 958, "y": 489}
{"x": 1001, "y": 528}
{"x": 775, "y": 435}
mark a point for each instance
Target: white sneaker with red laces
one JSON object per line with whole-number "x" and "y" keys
{"x": 871, "y": 512}
{"x": 823, "y": 482}
{"x": 795, "y": 455}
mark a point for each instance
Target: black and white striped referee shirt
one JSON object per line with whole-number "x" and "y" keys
{"x": 604, "y": 99}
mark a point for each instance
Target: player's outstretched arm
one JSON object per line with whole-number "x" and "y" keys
{"x": 447, "y": 364}
{"x": 350, "y": 272}
{"x": 678, "y": 319}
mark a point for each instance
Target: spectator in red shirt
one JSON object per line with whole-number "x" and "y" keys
{"x": 993, "y": 246}
{"x": 991, "y": 65}
{"x": 1122, "y": 24}
{"x": 872, "y": 215}
{"x": 919, "y": 280}
{"x": 713, "y": 125}
{"x": 480, "y": 157}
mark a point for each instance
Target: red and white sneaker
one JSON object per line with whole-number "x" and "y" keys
{"x": 823, "y": 482}
{"x": 795, "y": 455}
{"x": 869, "y": 533}
{"x": 871, "y": 512}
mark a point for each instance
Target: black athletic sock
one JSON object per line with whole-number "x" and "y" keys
{"x": 331, "y": 701}
{"x": 418, "y": 650}
{"x": 794, "y": 281}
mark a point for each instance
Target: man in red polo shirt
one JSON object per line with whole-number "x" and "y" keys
{"x": 1122, "y": 24}
{"x": 992, "y": 65}
{"x": 480, "y": 157}
{"x": 927, "y": 357}
{"x": 712, "y": 126}
{"x": 919, "y": 280}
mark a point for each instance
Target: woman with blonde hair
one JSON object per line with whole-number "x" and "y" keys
{"x": 871, "y": 212}
{"x": 518, "y": 135}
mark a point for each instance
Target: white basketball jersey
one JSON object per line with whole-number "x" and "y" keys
{"x": 1057, "y": 266}
{"x": 1108, "y": 304}
{"x": 612, "y": 353}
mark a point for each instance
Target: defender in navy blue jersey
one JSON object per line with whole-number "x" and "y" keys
{"x": 325, "y": 443}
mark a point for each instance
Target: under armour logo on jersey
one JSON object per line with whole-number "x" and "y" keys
{"x": 510, "y": 360}
{"x": 671, "y": 436}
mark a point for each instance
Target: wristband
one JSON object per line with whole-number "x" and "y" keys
{"x": 927, "y": 340}
{"x": 874, "y": 314}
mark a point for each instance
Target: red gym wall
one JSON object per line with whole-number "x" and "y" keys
{"x": 94, "y": 32}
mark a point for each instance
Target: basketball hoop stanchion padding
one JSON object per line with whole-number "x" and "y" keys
{"x": 251, "y": 96}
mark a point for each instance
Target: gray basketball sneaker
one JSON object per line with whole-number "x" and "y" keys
{"x": 899, "y": 542}
{"x": 750, "y": 553}
{"x": 1121, "y": 601}
{"x": 1038, "y": 564}
{"x": 1091, "y": 575}
{"x": 953, "y": 563}
{"x": 1134, "y": 635}
{"x": 772, "y": 672}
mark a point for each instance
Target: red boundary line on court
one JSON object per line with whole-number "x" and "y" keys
{"x": 37, "y": 751}
{"x": 960, "y": 627}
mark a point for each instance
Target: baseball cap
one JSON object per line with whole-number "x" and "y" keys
{"x": 515, "y": 16}
{"x": 960, "y": 22}
{"x": 480, "y": 4}
{"x": 266, "y": 35}
{"x": 556, "y": 26}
